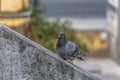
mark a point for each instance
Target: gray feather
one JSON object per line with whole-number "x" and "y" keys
{"x": 71, "y": 48}
{"x": 67, "y": 49}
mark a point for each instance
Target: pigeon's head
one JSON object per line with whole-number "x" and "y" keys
{"x": 61, "y": 34}
{"x": 61, "y": 38}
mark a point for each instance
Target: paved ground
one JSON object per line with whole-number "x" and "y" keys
{"x": 103, "y": 68}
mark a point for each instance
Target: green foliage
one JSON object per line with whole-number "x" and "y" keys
{"x": 48, "y": 32}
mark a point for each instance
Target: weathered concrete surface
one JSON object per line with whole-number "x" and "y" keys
{"x": 22, "y": 59}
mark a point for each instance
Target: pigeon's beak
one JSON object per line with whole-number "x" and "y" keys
{"x": 59, "y": 36}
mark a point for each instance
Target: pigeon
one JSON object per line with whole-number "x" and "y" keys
{"x": 67, "y": 49}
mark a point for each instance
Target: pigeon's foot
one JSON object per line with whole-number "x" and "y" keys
{"x": 81, "y": 58}
{"x": 69, "y": 61}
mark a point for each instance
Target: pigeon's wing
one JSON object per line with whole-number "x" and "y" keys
{"x": 71, "y": 49}
{"x": 62, "y": 52}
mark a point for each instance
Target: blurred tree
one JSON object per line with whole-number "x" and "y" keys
{"x": 48, "y": 32}
{"x": 35, "y": 3}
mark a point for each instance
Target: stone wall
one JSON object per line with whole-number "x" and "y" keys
{"x": 113, "y": 16}
{"x": 22, "y": 59}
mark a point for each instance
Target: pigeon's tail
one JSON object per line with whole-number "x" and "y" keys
{"x": 80, "y": 56}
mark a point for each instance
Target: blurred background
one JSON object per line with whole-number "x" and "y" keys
{"x": 92, "y": 24}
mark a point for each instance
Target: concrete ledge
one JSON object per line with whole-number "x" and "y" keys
{"x": 22, "y": 59}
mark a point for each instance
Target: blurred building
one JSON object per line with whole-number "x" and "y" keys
{"x": 74, "y": 8}
{"x": 16, "y": 14}
{"x": 113, "y": 15}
